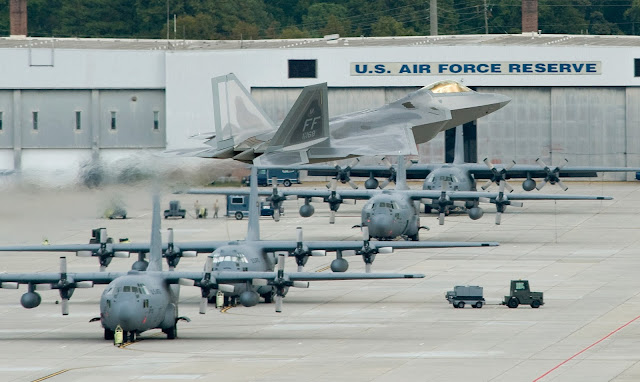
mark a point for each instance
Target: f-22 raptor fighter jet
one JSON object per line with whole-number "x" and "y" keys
{"x": 245, "y": 133}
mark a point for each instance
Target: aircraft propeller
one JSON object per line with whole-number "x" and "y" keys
{"x": 206, "y": 284}
{"x": 553, "y": 175}
{"x": 369, "y": 250}
{"x": 302, "y": 252}
{"x": 173, "y": 254}
{"x": 393, "y": 173}
{"x": 501, "y": 202}
{"x": 498, "y": 176}
{"x": 343, "y": 174}
{"x": 282, "y": 282}
{"x": 66, "y": 286}
{"x": 105, "y": 252}
{"x": 276, "y": 199}
{"x": 444, "y": 202}
{"x": 335, "y": 200}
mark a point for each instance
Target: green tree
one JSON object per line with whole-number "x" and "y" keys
{"x": 388, "y": 26}
{"x": 327, "y": 18}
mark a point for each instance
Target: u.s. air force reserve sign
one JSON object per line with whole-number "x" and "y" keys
{"x": 476, "y": 68}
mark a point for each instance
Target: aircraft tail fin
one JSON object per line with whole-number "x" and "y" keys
{"x": 237, "y": 115}
{"x": 458, "y": 151}
{"x": 155, "y": 255}
{"x": 401, "y": 174}
{"x": 253, "y": 230}
{"x": 306, "y": 124}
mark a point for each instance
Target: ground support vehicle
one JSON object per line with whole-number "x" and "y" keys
{"x": 521, "y": 294}
{"x": 465, "y": 295}
{"x": 174, "y": 210}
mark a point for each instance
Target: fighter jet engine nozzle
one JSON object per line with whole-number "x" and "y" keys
{"x": 339, "y": 265}
{"x": 30, "y": 300}
{"x": 306, "y": 210}
{"x": 475, "y": 213}
{"x": 371, "y": 183}
{"x": 249, "y": 298}
{"x": 528, "y": 184}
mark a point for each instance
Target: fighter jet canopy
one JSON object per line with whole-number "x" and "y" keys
{"x": 447, "y": 86}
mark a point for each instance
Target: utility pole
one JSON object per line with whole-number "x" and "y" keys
{"x": 486, "y": 21}
{"x": 168, "y": 25}
{"x": 433, "y": 17}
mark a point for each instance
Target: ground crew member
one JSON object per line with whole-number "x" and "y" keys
{"x": 196, "y": 206}
{"x": 216, "y": 207}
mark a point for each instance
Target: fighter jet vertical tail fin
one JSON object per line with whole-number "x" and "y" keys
{"x": 155, "y": 255}
{"x": 458, "y": 153}
{"x": 306, "y": 124}
{"x": 253, "y": 230}
{"x": 237, "y": 116}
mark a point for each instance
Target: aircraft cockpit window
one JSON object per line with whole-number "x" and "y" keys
{"x": 142, "y": 289}
{"x": 109, "y": 291}
{"x": 447, "y": 87}
{"x": 134, "y": 289}
{"x": 430, "y": 177}
{"x": 238, "y": 258}
{"x": 126, "y": 289}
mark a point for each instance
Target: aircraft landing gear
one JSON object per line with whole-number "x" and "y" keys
{"x": 171, "y": 332}
{"x": 108, "y": 334}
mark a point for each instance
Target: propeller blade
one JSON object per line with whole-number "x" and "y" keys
{"x": 334, "y": 184}
{"x": 103, "y": 268}
{"x": 9, "y": 285}
{"x": 488, "y": 163}
{"x": 278, "y": 299}
{"x": 498, "y": 217}
{"x": 259, "y": 282}
{"x": 353, "y": 185}
{"x": 276, "y": 214}
{"x": 348, "y": 252}
{"x": 487, "y": 185}
{"x": 300, "y": 268}
{"x": 459, "y": 203}
{"x": 65, "y": 306}
{"x": 170, "y": 238}
{"x": 103, "y": 235}
{"x": 562, "y": 185}
{"x": 365, "y": 233}
{"x": 226, "y": 288}
{"x": 516, "y": 204}
{"x": 385, "y": 250}
{"x": 203, "y": 305}
{"x": 539, "y": 187}
{"x": 317, "y": 199}
{"x": 510, "y": 165}
{"x": 332, "y": 217}
{"x": 318, "y": 252}
{"x": 541, "y": 163}
{"x": 385, "y": 183}
{"x": 367, "y": 267}
{"x": 564, "y": 164}
{"x": 189, "y": 253}
{"x": 299, "y": 234}
{"x": 121, "y": 254}
{"x": 274, "y": 182}
{"x": 441, "y": 218}
{"x": 300, "y": 284}
{"x": 208, "y": 264}
{"x": 281, "y": 258}
{"x": 484, "y": 200}
{"x": 84, "y": 253}
{"x": 507, "y": 186}
{"x": 63, "y": 265}
{"x": 43, "y": 287}
{"x": 349, "y": 201}
{"x": 84, "y": 284}
{"x": 186, "y": 282}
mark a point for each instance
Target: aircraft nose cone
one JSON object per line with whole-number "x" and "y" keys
{"x": 381, "y": 226}
{"x": 124, "y": 316}
{"x": 228, "y": 266}
{"x": 502, "y": 100}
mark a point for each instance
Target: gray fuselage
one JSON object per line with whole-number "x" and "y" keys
{"x": 389, "y": 216}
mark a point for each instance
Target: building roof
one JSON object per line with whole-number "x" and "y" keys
{"x": 525, "y": 39}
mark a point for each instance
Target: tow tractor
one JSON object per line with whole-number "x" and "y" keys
{"x": 521, "y": 294}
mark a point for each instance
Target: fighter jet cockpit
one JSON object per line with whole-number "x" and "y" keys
{"x": 447, "y": 86}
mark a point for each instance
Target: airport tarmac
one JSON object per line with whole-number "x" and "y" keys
{"x": 583, "y": 255}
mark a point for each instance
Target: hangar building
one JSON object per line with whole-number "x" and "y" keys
{"x": 65, "y": 103}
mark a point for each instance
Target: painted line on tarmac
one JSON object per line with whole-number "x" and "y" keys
{"x": 225, "y": 309}
{"x": 324, "y": 268}
{"x": 585, "y": 349}
{"x": 51, "y": 375}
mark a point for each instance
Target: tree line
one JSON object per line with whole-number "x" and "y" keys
{"x": 267, "y": 19}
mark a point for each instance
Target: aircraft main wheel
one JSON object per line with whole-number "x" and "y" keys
{"x": 239, "y": 215}
{"x": 535, "y": 304}
{"x": 286, "y": 183}
{"x": 513, "y": 303}
{"x": 172, "y": 332}
{"x": 108, "y": 334}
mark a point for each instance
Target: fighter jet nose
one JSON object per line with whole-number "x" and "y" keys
{"x": 502, "y": 100}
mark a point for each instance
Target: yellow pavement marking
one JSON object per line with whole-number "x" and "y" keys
{"x": 51, "y": 375}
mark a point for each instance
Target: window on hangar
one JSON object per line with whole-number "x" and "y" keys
{"x": 303, "y": 69}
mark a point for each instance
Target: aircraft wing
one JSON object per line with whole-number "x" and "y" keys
{"x": 473, "y": 195}
{"x": 198, "y": 246}
{"x": 235, "y": 277}
{"x": 331, "y": 246}
{"x": 480, "y": 171}
{"x": 52, "y": 278}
